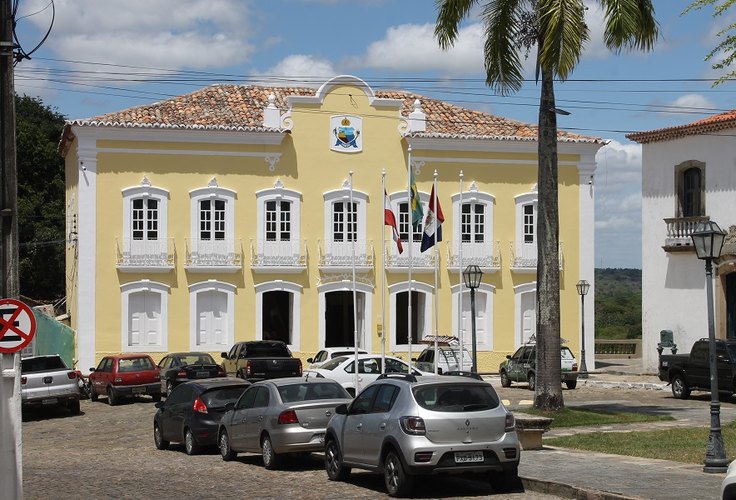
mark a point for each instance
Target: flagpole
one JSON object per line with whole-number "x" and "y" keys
{"x": 436, "y": 310}
{"x": 383, "y": 273}
{"x": 411, "y": 244}
{"x": 352, "y": 216}
{"x": 460, "y": 278}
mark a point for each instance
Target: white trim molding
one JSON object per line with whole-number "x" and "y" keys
{"x": 212, "y": 285}
{"x": 405, "y": 286}
{"x": 295, "y": 290}
{"x": 145, "y": 285}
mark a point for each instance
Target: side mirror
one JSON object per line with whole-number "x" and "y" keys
{"x": 439, "y": 371}
{"x": 508, "y": 356}
{"x": 341, "y": 409}
{"x": 310, "y": 360}
{"x": 159, "y": 404}
{"x": 91, "y": 369}
{"x": 223, "y": 355}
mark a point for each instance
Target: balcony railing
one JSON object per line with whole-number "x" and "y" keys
{"x": 278, "y": 256}
{"x": 524, "y": 257}
{"x": 153, "y": 256}
{"x": 679, "y": 230}
{"x": 420, "y": 262}
{"x": 338, "y": 255}
{"x": 487, "y": 256}
{"x": 213, "y": 255}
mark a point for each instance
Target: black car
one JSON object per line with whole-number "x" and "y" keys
{"x": 179, "y": 367}
{"x": 192, "y": 412}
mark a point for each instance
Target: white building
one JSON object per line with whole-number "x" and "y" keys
{"x": 688, "y": 175}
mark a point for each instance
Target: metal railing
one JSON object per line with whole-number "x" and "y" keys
{"x": 213, "y": 253}
{"x": 419, "y": 260}
{"x": 524, "y": 256}
{"x": 484, "y": 255}
{"x": 332, "y": 253}
{"x": 132, "y": 253}
{"x": 278, "y": 254}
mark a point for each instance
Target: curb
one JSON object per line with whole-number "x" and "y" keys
{"x": 563, "y": 490}
{"x": 624, "y": 384}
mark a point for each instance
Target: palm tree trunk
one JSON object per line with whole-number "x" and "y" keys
{"x": 548, "y": 392}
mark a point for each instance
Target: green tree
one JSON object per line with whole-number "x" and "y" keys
{"x": 557, "y": 29}
{"x": 40, "y": 200}
{"x": 727, "y": 46}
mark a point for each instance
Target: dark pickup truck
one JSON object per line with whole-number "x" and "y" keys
{"x": 687, "y": 372}
{"x": 261, "y": 360}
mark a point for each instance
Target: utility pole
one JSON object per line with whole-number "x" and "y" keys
{"x": 11, "y": 449}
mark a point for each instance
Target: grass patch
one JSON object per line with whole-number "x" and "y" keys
{"x": 574, "y": 417}
{"x": 682, "y": 444}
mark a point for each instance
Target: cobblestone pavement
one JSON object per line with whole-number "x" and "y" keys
{"x": 108, "y": 452}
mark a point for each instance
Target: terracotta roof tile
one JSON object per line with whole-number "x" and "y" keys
{"x": 707, "y": 125}
{"x": 240, "y": 107}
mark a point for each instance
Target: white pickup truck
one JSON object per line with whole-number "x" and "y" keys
{"x": 46, "y": 381}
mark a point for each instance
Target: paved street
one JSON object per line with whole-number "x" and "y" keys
{"x": 108, "y": 452}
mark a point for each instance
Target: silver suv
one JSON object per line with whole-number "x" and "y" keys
{"x": 404, "y": 426}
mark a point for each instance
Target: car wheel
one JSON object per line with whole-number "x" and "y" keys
{"x": 112, "y": 399}
{"x": 74, "y": 407}
{"x": 92, "y": 393}
{"x": 505, "y": 380}
{"x": 224, "y": 444}
{"x": 336, "y": 471}
{"x": 158, "y": 438}
{"x": 680, "y": 389}
{"x": 506, "y": 481}
{"x": 271, "y": 460}
{"x": 190, "y": 444}
{"x": 169, "y": 387}
{"x": 532, "y": 378}
{"x": 571, "y": 384}
{"x": 398, "y": 482}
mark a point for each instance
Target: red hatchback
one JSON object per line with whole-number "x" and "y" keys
{"x": 125, "y": 375}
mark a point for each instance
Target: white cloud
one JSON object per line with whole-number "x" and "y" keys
{"x": 298, "y": 70}
{"x": 170, "y": 34}
{"x": 693, "y": 102}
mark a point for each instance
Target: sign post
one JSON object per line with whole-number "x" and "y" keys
{"x": 17, "y": 328}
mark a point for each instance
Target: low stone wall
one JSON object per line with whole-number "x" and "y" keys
{"x": 618, "y": 349}
{"x": 530, "y": 428}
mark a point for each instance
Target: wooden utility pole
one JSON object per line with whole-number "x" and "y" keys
{"x": 11, "y": 449}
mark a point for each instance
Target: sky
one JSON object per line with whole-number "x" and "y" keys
{"x": 100, "y": 56}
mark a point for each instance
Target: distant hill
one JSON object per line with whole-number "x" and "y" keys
{"x": 618, "y": 303}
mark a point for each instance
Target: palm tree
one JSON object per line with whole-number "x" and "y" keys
{"x": 557, "y": 28}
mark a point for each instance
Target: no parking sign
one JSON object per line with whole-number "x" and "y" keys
{"x": 17, "y": 325}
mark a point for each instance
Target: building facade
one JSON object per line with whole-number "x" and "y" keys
{"x": 688, "y": 175}
{"x": 245, "y": 212}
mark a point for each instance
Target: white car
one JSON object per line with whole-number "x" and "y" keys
{"x": 728, "y": 486}
{"x": 342, "y": 370}
{"x": 328, "y": 353}
{"x": 448, "y": 359}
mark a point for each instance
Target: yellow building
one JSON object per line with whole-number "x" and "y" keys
{"x": 240, "y": 212}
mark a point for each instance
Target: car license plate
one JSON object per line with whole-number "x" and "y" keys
{"x": 464, "y": 457}
{"x": 139, "y": 390}
{"x": 49, "y": 401}
{"x": 203, "y": 374}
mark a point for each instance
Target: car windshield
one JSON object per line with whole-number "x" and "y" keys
{"x": 455, "y": 398}
{"x": 196, "y": 359}
{"x": 220, "y": 396}
{"x": 566, "y": 353}
{"x": 333, "y": 363}
{"x": 134, "y": 364}
{"x": 310, "y": 391}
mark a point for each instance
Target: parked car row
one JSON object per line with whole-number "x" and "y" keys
{"x": 402, "y": 425}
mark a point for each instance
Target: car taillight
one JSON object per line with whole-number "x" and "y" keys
{"x": 574, "y": 367}
{"x": 181, "y": 374}
{"x": 510, "y": 425}
{"x": 413, "y": 425}
{"x": 220, "y": 371}
{"x": 23, "y": 380}
{"x": 288, "y": 417}
{"x": 248, "y": 369}
{"x": 300, "y": 367}
{"x": 118, "y": 380}
{"x": 71, "y": 375}
{"x": 199, "y": 405}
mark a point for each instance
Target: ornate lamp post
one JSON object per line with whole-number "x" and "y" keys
{"x": 471, "y": 277}
{"x": 583, "y": 287}
{"x": 708, "y": 242}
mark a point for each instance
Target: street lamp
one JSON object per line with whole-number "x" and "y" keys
{"x": 471, "y": 277}
{"x": 583, "y": 287}
{"x": 708, "y": 242}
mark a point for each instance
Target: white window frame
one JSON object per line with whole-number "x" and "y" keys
{"x": 296, "y": 309}
{"x": 519, "y": 291}
{"x": 414, "y": 286}
{"x": 485, "y": 342}
{"x": 522, "y": 201}
{"x": 277, "y": 194}
{"x": 366, "y": 341}
{"x": 213, "y": 192}
{"x": 343, "y": 195}
{"x": 144, "y": 285}
{"x": 146, "y": 192}
{"x": 208, "y": 286}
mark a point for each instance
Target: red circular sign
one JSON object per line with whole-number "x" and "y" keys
{"x": 17, "y": 325}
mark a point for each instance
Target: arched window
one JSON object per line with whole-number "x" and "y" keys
{"x": 278, "y": 312}
{"x": 212, "y": 241}
{"x": 420, "y": 320}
